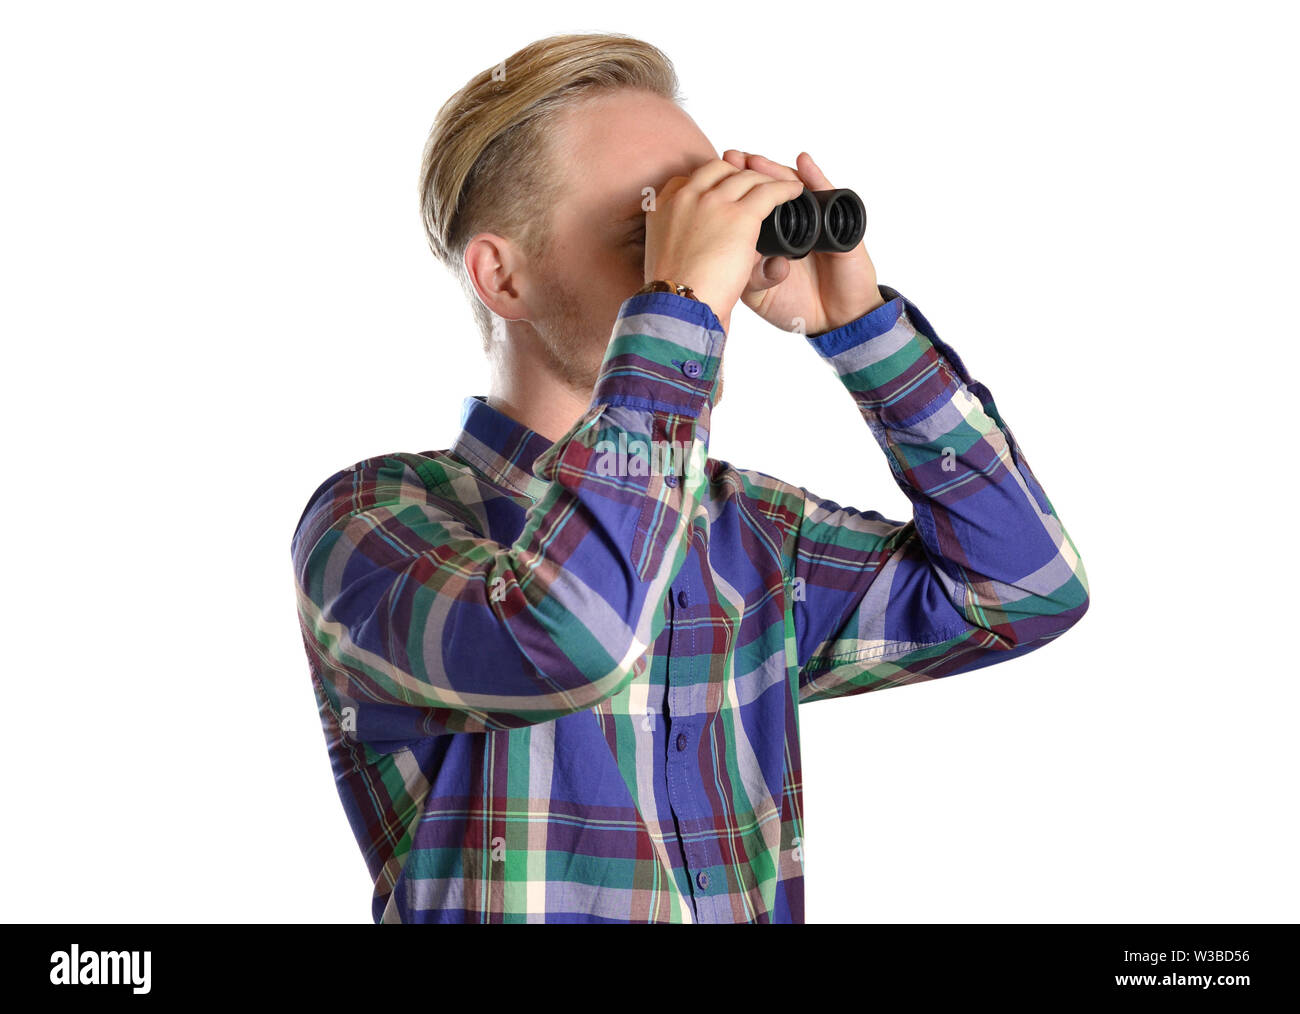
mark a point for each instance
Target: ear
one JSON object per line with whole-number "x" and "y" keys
{"x": 494, "y": 266}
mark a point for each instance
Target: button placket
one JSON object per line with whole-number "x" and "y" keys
{"x": 682, "y": 764}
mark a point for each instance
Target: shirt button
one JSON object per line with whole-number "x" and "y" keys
{"x": 702, "y": 879}
{"x": 692, "y": 368}
{"x": 670, "y": 480}
{"x": 682, "y": 598}
{"x": 681, "y": 741}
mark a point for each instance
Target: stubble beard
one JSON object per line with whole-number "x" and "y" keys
{"x": 573, "y": 352}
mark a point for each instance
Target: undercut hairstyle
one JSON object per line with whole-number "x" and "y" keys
{"x": 487, "y": 164}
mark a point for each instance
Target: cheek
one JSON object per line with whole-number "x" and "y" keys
{"x": 634, "y": 259}
{"x": 602, "y": 279}
{"x": 621, "y": 276}
{"x": 621, "y": 264}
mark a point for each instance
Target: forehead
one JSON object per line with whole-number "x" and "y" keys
{"x": 612, "y": 145}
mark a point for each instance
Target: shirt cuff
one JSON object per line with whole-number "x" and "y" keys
{"x": 870, "y": 324}
{"x": 664, "y": 355}
{"x": 892, "y": 360}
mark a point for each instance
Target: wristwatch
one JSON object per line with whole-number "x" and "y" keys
{"x": 663, "y": 285}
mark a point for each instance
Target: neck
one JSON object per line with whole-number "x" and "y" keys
{"x": 526, "y": 387}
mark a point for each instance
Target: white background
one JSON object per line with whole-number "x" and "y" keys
{"x": 217, "y": 292}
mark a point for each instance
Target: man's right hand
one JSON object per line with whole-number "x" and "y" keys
{"x": 704, "y": 230}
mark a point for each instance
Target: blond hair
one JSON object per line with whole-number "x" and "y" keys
{"x": 486, "y": 166}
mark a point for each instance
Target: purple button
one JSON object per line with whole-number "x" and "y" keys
{"x": 692, "y": 368}
{"x": 670, "y": 480}
{"x": 681, "y": 741}
{"x": 702, "y": 879}
{"x": 682, "y": 598}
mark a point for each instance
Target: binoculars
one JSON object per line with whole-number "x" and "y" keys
{"x": 832, "y": 221}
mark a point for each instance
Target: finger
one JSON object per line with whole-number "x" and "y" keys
{"x": 766, "y": 196}
{"x": 811, "y": 173}
{"x": 708, "y": 175}
{"x": 775, "y": 169}
{"x": 735, "y": 156}
{"x": 670, "y": 187}
{"x": 734, "y": 187}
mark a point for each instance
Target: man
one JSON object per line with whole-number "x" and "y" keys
{"x": 560, "y": 685}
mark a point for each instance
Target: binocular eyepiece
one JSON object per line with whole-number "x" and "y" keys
{"x": 832, "y": 221}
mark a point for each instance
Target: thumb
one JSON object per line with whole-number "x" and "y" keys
{"x": 768, "y": 272}
{"x": 811, "y": 174}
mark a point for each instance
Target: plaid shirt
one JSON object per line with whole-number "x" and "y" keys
{"x": 561, "y": 682}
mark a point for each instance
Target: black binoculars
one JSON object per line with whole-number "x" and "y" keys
{"x": 831, "y": 221}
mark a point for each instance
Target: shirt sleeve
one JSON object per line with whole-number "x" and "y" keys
{"x": 403, "y": 604}
{"x": 984, "y": 570}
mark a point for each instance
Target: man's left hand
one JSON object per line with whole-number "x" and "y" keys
{"x": 821, "y": 291}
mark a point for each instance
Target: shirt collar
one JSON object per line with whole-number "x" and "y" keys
{"x": 500, "y": 447}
